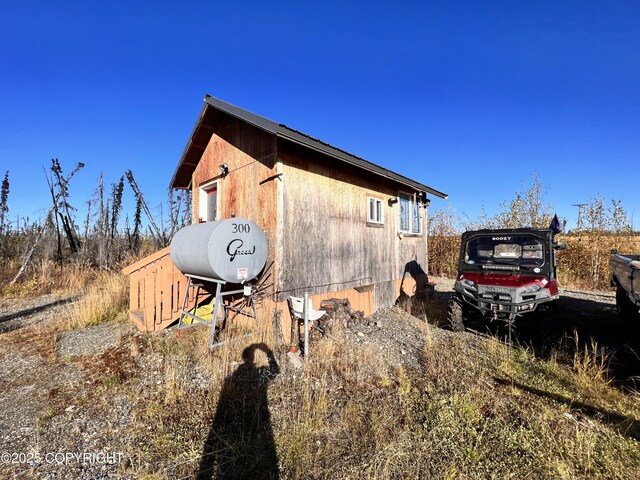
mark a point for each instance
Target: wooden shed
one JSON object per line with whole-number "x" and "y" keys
{"x": 337, "y": 225}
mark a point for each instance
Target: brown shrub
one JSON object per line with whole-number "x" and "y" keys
{"x": 585, "y": 262}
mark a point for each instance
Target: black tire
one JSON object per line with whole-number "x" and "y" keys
{"x": 455, "y": 315}
{"x": 547, "y": 320}
{"x": 626, "y": 309}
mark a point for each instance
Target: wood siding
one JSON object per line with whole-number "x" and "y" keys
{"x": 249, "y": 190}
{"x": 313, "y": 211}
{"x": 250, "y": 155}
{"x": 327, "y": 244}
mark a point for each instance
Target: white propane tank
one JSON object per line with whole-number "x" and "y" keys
{"x": 233, "y": 250}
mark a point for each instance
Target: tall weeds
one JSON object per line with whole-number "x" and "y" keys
{"x": 104, "y": 300}
{"x": 585, "y": 262}
{"x": 590, "y": 362}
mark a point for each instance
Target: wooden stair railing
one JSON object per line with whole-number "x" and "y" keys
{"x": 156, "y": 291}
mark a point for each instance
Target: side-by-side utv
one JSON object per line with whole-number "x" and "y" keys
{"x": 504, "y": 273}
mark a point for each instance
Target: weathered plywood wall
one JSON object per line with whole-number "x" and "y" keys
{"x": 314, "y": 215}
{"x": 249, "y": 190}
{"x": 250, "y": 155}
{"x": 327, "y": 244}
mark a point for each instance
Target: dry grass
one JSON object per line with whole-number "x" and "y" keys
{"x": 585, "y": 262}
{"x": 590, "y": 363}
{"x": 475, "y": 408}
{"x": 443, "y": 255}
{"x": 472, "y": 411}
{"x": 39, "y": 339}
{"x": 48, "y": 277}
{"x": 104, "y": 299}
{"x": 178, "y": 410}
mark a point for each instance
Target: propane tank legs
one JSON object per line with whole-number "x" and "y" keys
{"x": 214, "y": 320}
{"x": 219, "y": 315}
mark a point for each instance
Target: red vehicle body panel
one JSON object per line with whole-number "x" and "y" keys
{"x": 514, "y": 281}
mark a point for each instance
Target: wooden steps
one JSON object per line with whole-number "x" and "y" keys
{"x": 156, "y": 291}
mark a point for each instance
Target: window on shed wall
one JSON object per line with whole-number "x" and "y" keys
{"x": 208, "y": 202}
{"x": 410, "y": 217}
{"x": 375, "y": 212}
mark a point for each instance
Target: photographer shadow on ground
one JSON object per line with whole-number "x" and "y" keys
{"x": 240, "y": 443}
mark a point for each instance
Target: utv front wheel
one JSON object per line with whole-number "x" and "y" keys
{"x": 455, "y": 315}
{"x": 546, "y": 317}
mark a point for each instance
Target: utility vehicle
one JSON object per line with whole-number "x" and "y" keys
{"x": 505, "y": 273}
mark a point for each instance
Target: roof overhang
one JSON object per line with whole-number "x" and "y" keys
{"x": 203, "y": 131}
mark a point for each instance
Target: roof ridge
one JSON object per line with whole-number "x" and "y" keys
{"x": 283, "y": 131}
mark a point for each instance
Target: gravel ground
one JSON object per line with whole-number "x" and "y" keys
{"x": 17, "y": 313}
{"x": 91, "y": 340}
{"x": 54, "y": 385}
{"x": 398, "y": 336}
{"x": 49, "y": 403}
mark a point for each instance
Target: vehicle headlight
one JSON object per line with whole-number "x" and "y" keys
{"x": 532, "y": 288}
{"x": 468, "y": 283}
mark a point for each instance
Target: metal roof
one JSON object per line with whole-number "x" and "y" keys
{"x": 196, "y": 145}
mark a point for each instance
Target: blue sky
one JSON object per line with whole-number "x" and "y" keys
{"x": 471, "y": 98}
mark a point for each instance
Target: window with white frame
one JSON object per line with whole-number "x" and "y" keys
{"x": 208, "y": 202}
{"x": 410, "y": 217}
{"x": 375, "y": 213}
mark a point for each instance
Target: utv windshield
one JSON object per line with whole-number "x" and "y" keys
{"x": 526, "y": 251}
